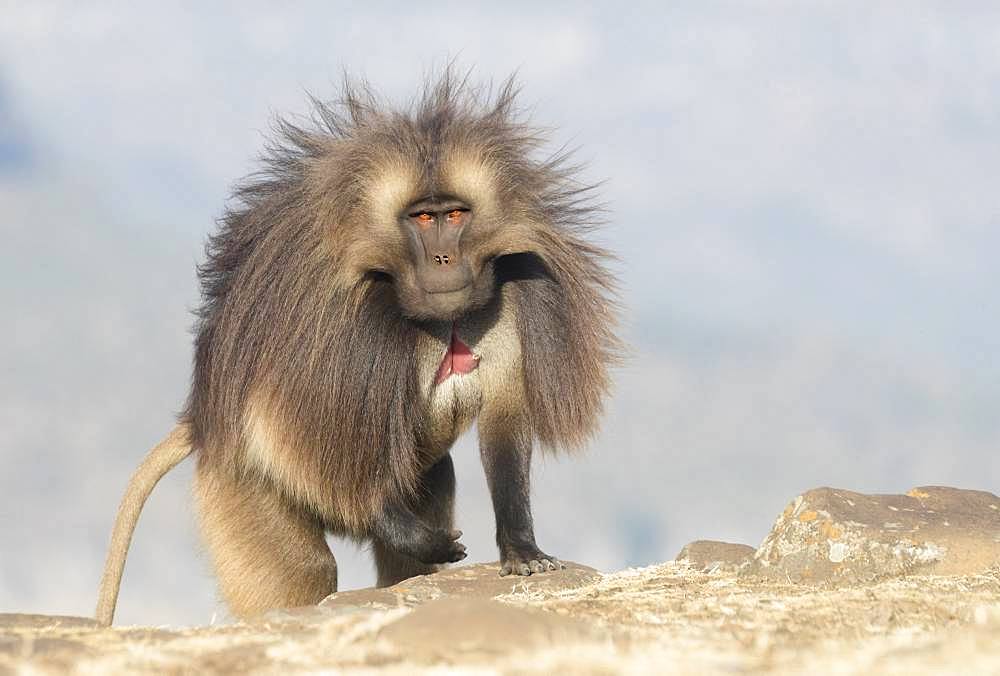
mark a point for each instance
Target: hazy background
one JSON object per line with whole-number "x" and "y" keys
{"x": 804, "y": 197}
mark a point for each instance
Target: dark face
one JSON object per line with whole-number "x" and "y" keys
{"x": 445, "y": 279}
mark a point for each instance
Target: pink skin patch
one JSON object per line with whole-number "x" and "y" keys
{"x": 458, "y": 358}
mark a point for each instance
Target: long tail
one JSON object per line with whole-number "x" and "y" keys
{"x": 164, "y": 457}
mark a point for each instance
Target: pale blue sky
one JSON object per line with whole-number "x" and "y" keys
{"x": 803, "y": 196}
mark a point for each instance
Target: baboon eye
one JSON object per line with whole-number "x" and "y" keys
{"x": 424, "y": 218}
{"x": 454, "y": 214}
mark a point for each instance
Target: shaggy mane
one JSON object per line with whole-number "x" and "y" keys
{"x": 335, "y": 361}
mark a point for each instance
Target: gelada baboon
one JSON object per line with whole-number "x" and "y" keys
{"x": 387, "y": 278}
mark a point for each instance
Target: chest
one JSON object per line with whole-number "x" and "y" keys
{"x": 463, "y": 368}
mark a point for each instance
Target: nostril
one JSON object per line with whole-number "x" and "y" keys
{"x": 442, "y": 259}
{"x": 445, "y": 259}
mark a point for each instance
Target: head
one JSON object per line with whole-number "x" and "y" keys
{"x": 431, "y": 200}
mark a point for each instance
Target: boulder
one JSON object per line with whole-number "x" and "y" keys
{"x": 831, "y": 536}
{"x": 711, "y": 555}
{"x": 476, "y": 581}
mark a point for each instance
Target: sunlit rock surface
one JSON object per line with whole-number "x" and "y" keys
{"x": 831, "y": 536}
{"x": 712, "y": 555}
{"x": 711, "y": 611}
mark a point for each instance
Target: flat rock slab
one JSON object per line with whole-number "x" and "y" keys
{"x": 660, "y": 619}
{"x": 470, "y": 626}
{"x": 712, "y": 555}
{"x": 477, "y": 581}
{"x": 28, "y": 621}
{"x": 835, "y": 536}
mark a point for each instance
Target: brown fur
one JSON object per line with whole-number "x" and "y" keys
{"x": 290, "y": 313}
{"x": 267, "y": 551}
{"x": 166, "y": 455}
{"x": 312, "y": 405}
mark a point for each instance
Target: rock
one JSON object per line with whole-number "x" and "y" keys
{"x": 477, "y": 581}
{"x": 667, "y": 617}
{"x": 307, "y": 615}
{"x": 478, "y": 627}
{"x": 9, "y": 620}
{"x": 840, "y": 537}
{"x": 712, "y": 555}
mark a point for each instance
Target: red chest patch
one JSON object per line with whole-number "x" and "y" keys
{"x": 458, "y": 358}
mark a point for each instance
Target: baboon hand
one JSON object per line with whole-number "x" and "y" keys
{"x": 527, "y": 559}
{"x": 435, "y": 545}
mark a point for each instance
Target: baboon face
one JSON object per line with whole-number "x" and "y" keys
{"x": 443, "y": 275}
{"x": 441, "y": 198}
{"x": 435, "y": 236}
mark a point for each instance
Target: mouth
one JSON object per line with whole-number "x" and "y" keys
{"x": 446, "y": 304}
{"x": 445, "y": 293}
{"x": 458, "y": 359}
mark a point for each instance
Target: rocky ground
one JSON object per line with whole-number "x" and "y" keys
{"x": 836, "y": 587}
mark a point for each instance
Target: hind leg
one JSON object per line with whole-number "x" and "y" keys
{"x": 436, "y": 508}
{"x": 266, "y": 552}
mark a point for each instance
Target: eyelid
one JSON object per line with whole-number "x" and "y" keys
{"x": 450, "y": 213}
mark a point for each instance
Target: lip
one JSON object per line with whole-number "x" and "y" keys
{"x": 445, "y": 292}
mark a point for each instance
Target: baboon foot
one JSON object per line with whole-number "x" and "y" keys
{"x": 526, "y": 560}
